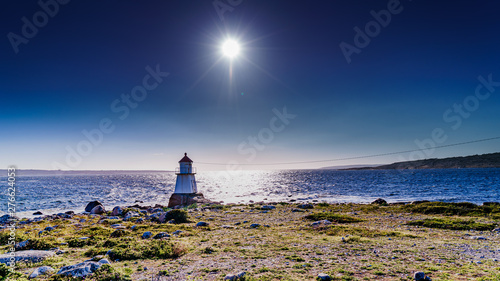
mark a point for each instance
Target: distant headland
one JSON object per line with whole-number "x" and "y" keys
{"x": 491, "y": 160}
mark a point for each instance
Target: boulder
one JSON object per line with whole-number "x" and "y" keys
{"x": 22, "y": 245}
{"x": 5, "y": 218}
{"x": 478, "y": 238}
{"x": 420, "y": 276}
{"x": 130, "y": 214}
{"x": 80, "y": 270}
{"x": 32, "y": 256}
{"x": 91, "y": 205}
{"x": 379, "y": 201}
{"x": 117, "y": 211}
{"x": 38, "y": 213}
{"x": 40, "y": 271}
{"x": 254, "y": 225}
{"x": 268, "y": 207}
{"x": 147, "y": 235}
{"x": 186, "y": 199}
{"x": 97, "y": 210}
{"x": 161, "y": 235}
{"x": 202, "y": 223}
{"x": 234, "y": 277}
{"x": 322, "y": 222}
{"x": 324, "y": 277}
{"x": 305, "y": 206}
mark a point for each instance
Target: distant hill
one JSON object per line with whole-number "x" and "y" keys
{"x": 30, "y": 172}
{"x": 491, "y": 160}
{"x": 346, "y": 167}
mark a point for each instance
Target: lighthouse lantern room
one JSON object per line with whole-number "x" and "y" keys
{"x": 185, "y": 182}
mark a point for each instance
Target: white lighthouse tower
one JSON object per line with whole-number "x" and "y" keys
{"x": 185, "y": 182}
{"x": 186, "y": 192}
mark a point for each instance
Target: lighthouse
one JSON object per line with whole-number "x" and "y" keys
{"x": 185, "y": 182}
{"x": 186, "y": 191}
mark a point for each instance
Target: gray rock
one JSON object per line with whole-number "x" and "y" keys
{"x": 202, "y": 223}
{"x": 322, "y": 222}
{"x": 117, "y": 211}
{"x": 147, "y": 235}
{"x": 161, "y": 235}
{"x": 104, "y": 261}
{"x": 295, "y": 210}
{"x": 420, "y": 276}
{"x": 22, "y": 245}
{"x": 379, "y": 201}
{"x": 92, "y": 205}
{"x": 97, "y": 210}
{"x": 40, "y": 271}
{"x": 27, "y": 256}
{"x": 5, "y": 218}
{"x": 177, "y": 232}
{"x": 49, "y": 228}
{"x": 130, "y": 215}
{"x": 268, "y": 207}
{"x": 478, "y": 238}
{"x": 134, "y": 227}
{"x": 254, "y": 225}
{"x": 305, "y": 206}
{"x": 324, "y": 277}
{"x": 80, "y": 270}
{"x": 238, "y": 276}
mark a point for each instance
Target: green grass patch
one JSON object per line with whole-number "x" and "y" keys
{"x": 343, "y": 230}
{"x": 453, "y": 224}
{"x": 453, "y": 209}
{"x": 333, "y": 217}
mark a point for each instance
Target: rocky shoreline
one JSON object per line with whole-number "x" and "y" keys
{"x": 260, "y": 241}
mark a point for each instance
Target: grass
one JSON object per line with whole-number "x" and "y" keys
{"x": 332, "y": 217}
{"x": 453, "y": 224}
{"x": 453, "y": 209}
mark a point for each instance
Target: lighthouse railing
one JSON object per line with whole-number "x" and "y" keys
{"x": 178, "y": 171}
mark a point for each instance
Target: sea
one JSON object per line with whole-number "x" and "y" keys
{"x": 53, "y": 192}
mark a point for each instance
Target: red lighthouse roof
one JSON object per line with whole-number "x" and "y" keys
{"x": 185, "y": 159}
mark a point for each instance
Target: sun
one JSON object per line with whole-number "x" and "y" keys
{"x": 230, "y": 48}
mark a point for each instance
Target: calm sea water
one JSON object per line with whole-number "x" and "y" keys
{"x": 72, "y": 192}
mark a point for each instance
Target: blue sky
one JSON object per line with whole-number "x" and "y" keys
{"x": 411, "y": 79}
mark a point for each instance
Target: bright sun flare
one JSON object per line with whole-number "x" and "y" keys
{"x": 230, "y": 48}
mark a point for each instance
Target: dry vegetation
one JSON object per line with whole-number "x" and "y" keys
{"x": 364, "y": 242}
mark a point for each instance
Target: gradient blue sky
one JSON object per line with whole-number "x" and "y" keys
{"x": 395, "y": 91}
